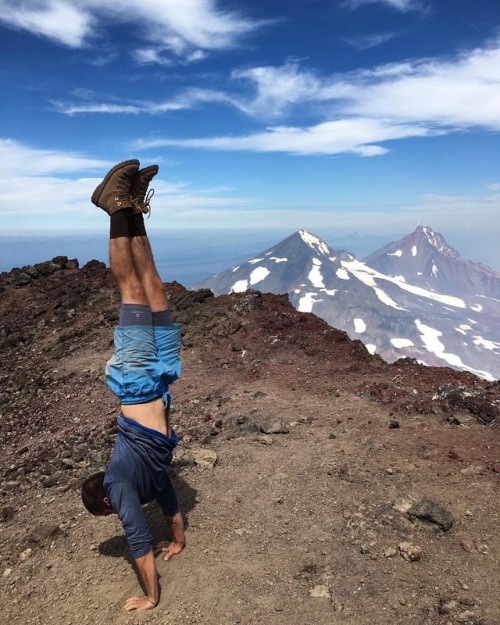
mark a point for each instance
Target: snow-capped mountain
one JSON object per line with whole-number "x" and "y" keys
{"x": 391, "y": 314}
{"x": 423, "y": 258}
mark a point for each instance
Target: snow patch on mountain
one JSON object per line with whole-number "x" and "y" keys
{"x": 258, "y": 275}
{"x": 342, "y": 274}
{"x": 314, "y": 242}
{"x": 307, "y": 302}
{"x": 400, "y": 343}
{"x": 430, "y": 338}
{"x": 359, "y": 326}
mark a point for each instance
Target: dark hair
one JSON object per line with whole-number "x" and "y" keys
{"x": 93, "y": 494}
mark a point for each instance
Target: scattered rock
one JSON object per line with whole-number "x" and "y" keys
{"x": 393, "y": 424}
{"x": 6, "y": 514}
{"x": 410, "y": 553}
{"x": 201, "y": 457}
{"x": 431, "y": 511}
{"x": 273, "y": 425}
{"x": 403, "y": 504}
{"x": 390, "y": 552}
{"x": 42, "y": 534}
{"x": 474, "y": 470}
{"x": 204, "y": 457}
{"x": 447, "y": 605}
{"x": 320, "y": 592}
{"x": 27, "y": 553}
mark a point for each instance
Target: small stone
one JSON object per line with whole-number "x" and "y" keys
{"x": 473, "y": 470}
{"x": 393, "y": 424}
{"x": 403, "y": 504}
{"x": 428, "y": 510}
{"x": 7, "y": 572}
{"x": 273, "y": 425}
{"x": 483, "y": 548}
{"x": 390, "y": 552}
{"x": 447, "y": 605}
{"x": 6, "y": 514}
{"x": 27, "y": 553}
{"x": 320, "y": 592}
{"x": 265, "y": 439}
{"x": 364, "y": 550}
{"x": 410, "y": 553}
{"x": 204, "y": 458}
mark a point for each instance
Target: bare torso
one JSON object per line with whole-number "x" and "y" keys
{"x": 151, "y": 415}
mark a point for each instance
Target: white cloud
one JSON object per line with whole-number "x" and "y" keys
{"x": 47, "y": 189}
{"x": 400, "y": 5}
{"x": 278, "y": 88}
{"x": 187, "y": 99}
{"x": 58, "y": 20}
{"x": 20, "y": 159}
{"x": 200, "y": 25}
{"x": 365, "y": 42}
{"x": 367, "y": 108}
{"x": 358, "y": 136}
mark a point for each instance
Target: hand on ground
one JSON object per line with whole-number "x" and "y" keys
{"x": 169, "y": 549}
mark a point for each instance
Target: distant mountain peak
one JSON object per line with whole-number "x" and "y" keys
{"x": 435, "y": 240}
{"x": 314, "y": 242}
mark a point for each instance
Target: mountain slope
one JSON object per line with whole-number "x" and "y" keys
{"x": 392, "y": 316}
{"x": 423, "y": 258}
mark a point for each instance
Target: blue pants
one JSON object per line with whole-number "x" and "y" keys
{"x": 146, "y": 361}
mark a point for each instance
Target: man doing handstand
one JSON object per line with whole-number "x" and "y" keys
{"x": 146, "y": 361}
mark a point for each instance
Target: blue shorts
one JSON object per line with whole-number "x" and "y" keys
{"x": 146, "y": 360}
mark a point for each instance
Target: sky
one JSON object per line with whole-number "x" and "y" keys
{"x": 336, "y": 116}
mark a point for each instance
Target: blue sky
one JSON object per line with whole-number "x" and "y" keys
{"x": 335, "y": 116}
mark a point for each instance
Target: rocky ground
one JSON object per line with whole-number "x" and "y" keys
{"x": 319, "y": 484}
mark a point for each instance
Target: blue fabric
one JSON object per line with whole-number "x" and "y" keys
{"x": 137, "y": 475}
{"x": 146, "y": 360}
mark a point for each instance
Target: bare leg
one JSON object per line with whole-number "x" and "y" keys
{"x": 147, "y": 274}
{"x": 123, "y": 268}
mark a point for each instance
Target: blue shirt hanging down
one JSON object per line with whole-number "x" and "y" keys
{"x": 137, "y": 474}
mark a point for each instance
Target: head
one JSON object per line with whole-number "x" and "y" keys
{"x": 94, "y": 496}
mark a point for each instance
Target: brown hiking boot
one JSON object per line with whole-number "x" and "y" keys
{"x": 113, "y": 194}
{"x": 140, "y": 184}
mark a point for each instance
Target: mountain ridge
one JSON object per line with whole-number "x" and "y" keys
{"x": 391, "y": 314}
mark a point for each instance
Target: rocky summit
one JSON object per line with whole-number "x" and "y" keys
{"x": 319, "y": 483}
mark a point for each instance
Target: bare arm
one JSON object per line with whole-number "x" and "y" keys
{"x": 146, "y": 566}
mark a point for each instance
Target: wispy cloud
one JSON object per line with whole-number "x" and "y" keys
{"x": 365, "y": 42}
{"x": 184, "y": 100}
{"x": 18, "y": 158}
{"x": 50, "y": 188}
{"x": 367, "y": 108}
{"x": 399, "y": 5}
{"x": 58, "y": 20}
{"x": 200, "y": 26}
{"x": 357, "y": 136}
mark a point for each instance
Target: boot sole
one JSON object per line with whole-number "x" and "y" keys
{"x": 98, "y": 190}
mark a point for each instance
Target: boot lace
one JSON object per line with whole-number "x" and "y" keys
{"x": 122, "y": 188}
{"x": 144, "y": 204}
